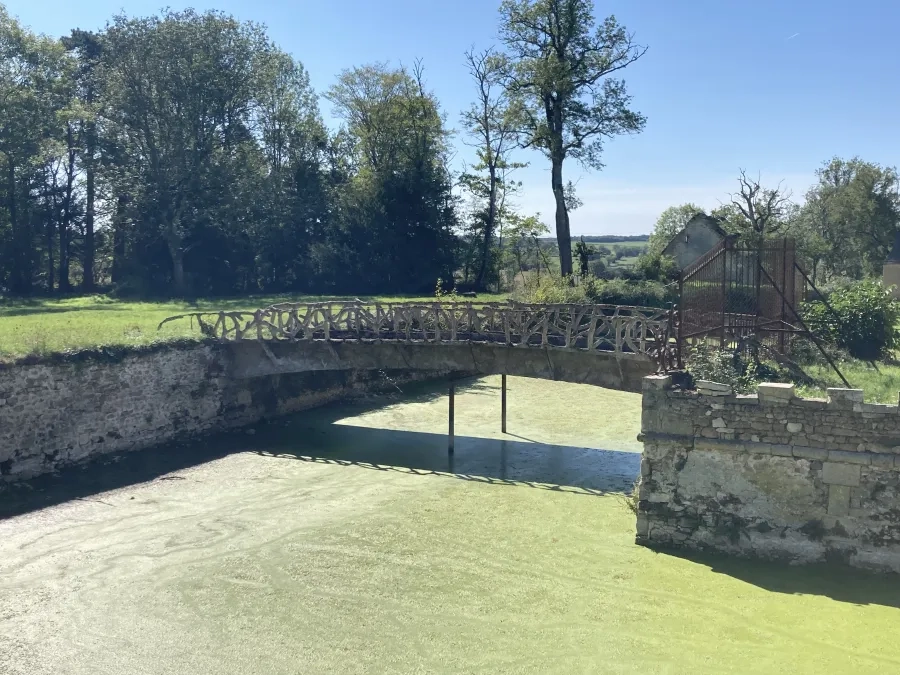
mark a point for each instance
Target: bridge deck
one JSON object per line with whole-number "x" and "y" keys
{"x": 639, "y": 331}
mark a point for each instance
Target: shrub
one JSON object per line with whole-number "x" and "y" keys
{"x": 836, "y": 284}
{"x": 655, "y": 268}
{"x": 554, "y": 289}
{"x": 864, "y": 321}
{"x": 706, "y": 362}
{"x": 639, "y": 293}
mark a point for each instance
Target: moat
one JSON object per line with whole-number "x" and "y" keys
{"x": 345, "y": 539}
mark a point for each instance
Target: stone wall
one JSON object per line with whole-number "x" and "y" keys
{"x": 74, "y": 408}
{"x": 771, "y": 475}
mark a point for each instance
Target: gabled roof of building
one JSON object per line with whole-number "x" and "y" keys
{"x": 709, "y": 221}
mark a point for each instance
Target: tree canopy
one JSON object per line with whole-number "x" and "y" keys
{"x": 184, "y": 153}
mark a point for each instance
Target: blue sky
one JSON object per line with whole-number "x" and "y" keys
{"x": 773, "y": 86}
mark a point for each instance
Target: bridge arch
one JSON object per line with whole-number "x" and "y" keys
{"x": 606, "y": 345}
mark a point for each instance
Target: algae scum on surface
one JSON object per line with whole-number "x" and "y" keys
{"x": 345, "y": 540}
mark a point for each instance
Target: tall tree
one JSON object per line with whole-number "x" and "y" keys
{"x": 31, "y": 72}
{"x": 293, "y": 140}
{"x": 523, "y": 235}
{"x": 854, "y": 208}
{"x": 756, "y": 212}
{"x": 491, "y": 122}
{"x": 398, "y": 212}
{"x": 87, "y": 47}
{"x": 180, "y": 89}
{"x": 561, "y": 63}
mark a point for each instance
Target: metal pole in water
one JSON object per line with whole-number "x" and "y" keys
{"x": 450, "y": 440}
{"x": 503, "y": 403}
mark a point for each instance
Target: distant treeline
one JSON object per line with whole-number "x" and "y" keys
{"x": 607, "y": 238}
{"x": 185, "y": 153}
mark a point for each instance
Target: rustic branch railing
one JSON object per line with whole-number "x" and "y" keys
{"x": 601, "y": 328}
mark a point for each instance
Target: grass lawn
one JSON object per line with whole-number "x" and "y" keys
{"x": 45, "y": 325}
{"x": 880, "y": 386}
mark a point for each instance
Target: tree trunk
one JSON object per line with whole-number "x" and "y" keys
{"x": 563, "y": 237}
{"x": 118, "y": 264}
{"x": 176, "y": 251}
{"x": 51, "y": 263}
{"x": 64, "y": 286}
{"x": 20, "y": 279}
{"x": 488, "y": 230}
{"x": 87, "y": 283}
{"x": 177, "y": 269}
{"x": 66, "y": 222}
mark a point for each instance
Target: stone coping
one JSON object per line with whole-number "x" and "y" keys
{"x": 771, "y": 393}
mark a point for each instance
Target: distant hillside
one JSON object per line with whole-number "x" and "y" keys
{"x": 607, "y": 238}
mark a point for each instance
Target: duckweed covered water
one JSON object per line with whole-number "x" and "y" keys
{"x": 344, "y": 540}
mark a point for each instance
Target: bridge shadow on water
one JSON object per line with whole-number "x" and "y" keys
{"x": 507, "y": 460}
{"x": 323, "y": 436}
{"x": 513, "y": 462}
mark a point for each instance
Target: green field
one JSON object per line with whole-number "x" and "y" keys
{"x": 880, "y": 386}
{"x": 44, "y": 326}
{"x": 344, "y": 540}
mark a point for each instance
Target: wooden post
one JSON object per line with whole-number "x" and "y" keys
{"x": 503, "y": 403}
{"x": 450, "y": 440}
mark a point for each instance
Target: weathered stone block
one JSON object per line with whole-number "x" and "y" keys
{"x": 849, "y": 457}
{"x": 844, "y": 398}
{"x": 820, "y": 454}
{"x": 882, "y": 461}
{"x": 775, "y": 393}
{"x": 657, "y": 382}
{"x": 721, "y": 445}
{"x": 780, "y": 450}
{"x": 838, "y": 500}
{"x": 809, "y": 403}
{"x": 707, "y": 388}
{"x": 840, "y": 474}
{"x": 643, "y": 525}
{"x": 874, "y": 410}
{"x": 794, "y": 427}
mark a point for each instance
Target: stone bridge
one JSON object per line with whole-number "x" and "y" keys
{"x": 611, "y": 346}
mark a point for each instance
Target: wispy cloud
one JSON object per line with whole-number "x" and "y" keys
{"x": 793, "y": 36}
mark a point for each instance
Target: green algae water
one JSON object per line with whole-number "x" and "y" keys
{"x": 345, "y": 540}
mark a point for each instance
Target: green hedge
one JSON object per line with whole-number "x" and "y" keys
{"x": 864, "y": 321}
{"x": 555, "y": 289}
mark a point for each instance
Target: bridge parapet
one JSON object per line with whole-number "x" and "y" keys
{"x": 620, "y": 329}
